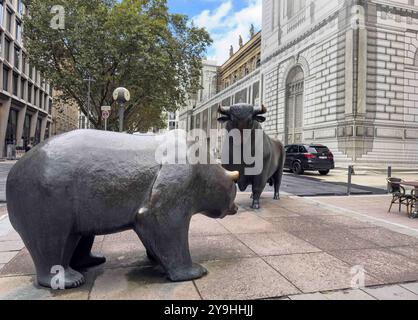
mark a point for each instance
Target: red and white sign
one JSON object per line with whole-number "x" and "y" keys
{"x": 105, "y": 115}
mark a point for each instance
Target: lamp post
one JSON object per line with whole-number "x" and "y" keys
{"x": 121, "y": 96}
{"x": 89, "y": 80}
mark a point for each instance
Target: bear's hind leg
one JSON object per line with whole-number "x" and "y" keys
{"x": 54, "y": 251}
{"x": 83, "y": 258}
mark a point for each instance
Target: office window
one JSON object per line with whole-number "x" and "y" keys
{"x": 24, "y": 61}
{"x": 7, "y": 49}
{"x": 22, "y": 89}
{"x": 1, "y": 11}
{"x": 6, "y": 72}
{"x": 29, "y": 93}
{"x": 15, "y": 84}
{"x": 17, "y": 58}
{"x": 20, "y": 7}
{"x": 35, "y": 97}
{"x": 30, "y": 71}
{"x": 9, "y": 21}
{"x": 18, "y": 31}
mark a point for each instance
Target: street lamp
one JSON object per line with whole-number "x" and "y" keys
{"x": 121, "y": 96}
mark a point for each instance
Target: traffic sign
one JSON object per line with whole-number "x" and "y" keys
{"x": 105, "y": 115}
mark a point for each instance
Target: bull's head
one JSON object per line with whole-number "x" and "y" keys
{"x": 242, "y": 116}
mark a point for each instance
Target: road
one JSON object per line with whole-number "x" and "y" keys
{"x": 4, "y": 171}
{"x": 303, "y": 186}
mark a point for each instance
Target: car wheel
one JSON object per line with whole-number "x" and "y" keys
{"x": 323, "y": 172}
{"x": 297, "y": 168}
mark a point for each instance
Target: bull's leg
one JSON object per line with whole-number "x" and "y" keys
{"x": 167, "y": 242}
{"x": 83, "y": 258}
{"x": 278, "y": 176}
{"x": 258, "y": 188}
{"x": 54, "y": 250}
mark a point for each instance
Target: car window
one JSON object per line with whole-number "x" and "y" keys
{"x": 302, "y": 149}
{"x": 318, "y": 149}
{"x": 293, "y": 149}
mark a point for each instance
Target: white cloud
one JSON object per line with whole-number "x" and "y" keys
{"x": 225, "y": 25}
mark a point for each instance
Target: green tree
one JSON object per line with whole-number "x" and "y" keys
{"x": 136, "y": 44}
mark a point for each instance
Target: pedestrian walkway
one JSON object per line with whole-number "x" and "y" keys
{"x": 291, "y": 249}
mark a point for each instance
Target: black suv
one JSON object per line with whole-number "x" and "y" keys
{"x": 302, "y": 157}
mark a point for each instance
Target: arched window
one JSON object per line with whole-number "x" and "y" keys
{"x": 294, "y": 106}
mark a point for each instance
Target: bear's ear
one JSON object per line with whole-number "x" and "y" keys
{"x": 223, "y": 119}
{"x": 259, "y": 119}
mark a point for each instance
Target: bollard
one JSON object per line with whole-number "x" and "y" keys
{"x": 350, "y": 174}
{"x": 389, "y": 176}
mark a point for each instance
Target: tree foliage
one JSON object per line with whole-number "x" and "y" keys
{"x": 135, "y": 44}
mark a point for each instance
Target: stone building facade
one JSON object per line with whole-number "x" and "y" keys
{"x": 25, "y": 98}
{"x": 342, "y": 73}
{"x": 65, "y": 116}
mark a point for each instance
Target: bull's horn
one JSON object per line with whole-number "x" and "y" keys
{"x": 260, "y": 110}
{"x": 233, "y": 175}
{"x": 224, "y": 110}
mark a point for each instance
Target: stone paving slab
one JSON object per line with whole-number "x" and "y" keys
{"x": 384, "y": 265}
{"x": 246, "y": 223}
{"x": 275, "y": 244}
{"x": 329, "y": 239}
{"x": 5, "y": 257}
{"x": 409, "y": 252}
{"x": 391, "y": 293}
{"x": 315, "y": 272}
{"x": 413, "y": 287}
{"x": 348, "y": 295}
{"x": 227, "y": 247}
{"x": 243, "y": 279}
{"x": 140, "y": 284}
{"x": 385, "y": 238}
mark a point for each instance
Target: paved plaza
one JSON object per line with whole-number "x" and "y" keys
{"x": 291, "y": 249}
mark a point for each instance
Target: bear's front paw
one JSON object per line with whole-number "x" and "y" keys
{"x": 196, "y": 271}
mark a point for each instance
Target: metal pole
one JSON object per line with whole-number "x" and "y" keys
{"x": 88, "y": 104}
{"x": 389, "y": 176}
{"x": 106, "y": 124}
{"x": 350, "y": 173}
{"x": 121, "y": 116}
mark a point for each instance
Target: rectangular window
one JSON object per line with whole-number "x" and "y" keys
{"x": 18, "y": 31}
{"x": 20, "y": 7}
{"x": 17, "y": 58}
{"x": 22, "y": 89}
{"x": 15, "y": 84}
{"x": 9, "y": 21}
{"x": 29, "y": 93}
{"x": 24, "y": 61}
{"x": 1, "y": 11}
{"x": 7, "y": 49}
{"x": 35, "y": 97}
{"x": 6, "y": 72}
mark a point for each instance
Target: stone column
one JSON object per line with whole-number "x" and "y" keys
{"x": 4, "y": 118}
{"x": 43, "y": 128}
{"x": 20, "y": 124}
{"x": 33, "y": 124}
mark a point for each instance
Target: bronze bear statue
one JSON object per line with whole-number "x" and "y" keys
{"x": 87, "y": 183}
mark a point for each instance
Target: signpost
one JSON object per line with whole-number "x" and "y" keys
{"x": 106, "y": 114}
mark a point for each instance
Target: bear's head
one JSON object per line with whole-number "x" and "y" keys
{"x": 218, "y": 192}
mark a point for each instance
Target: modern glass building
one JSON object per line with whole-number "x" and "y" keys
{"x": 25, "y": 98}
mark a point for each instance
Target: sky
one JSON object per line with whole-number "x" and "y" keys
{"x": 225, "y": 20}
